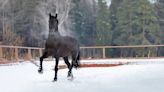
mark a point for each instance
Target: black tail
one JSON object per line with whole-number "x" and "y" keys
{"x": 77, "y": 61}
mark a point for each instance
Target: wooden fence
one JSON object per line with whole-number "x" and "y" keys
{"x": 104, "y": 51}
{"x": 18, "y": 52}
{"x": 92, "y": 52}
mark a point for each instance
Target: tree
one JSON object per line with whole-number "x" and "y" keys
{"x": 8, "y": 35}
{"x": 82, "y": 17}
{"x": 112, "y": 15}
{"x": 103, "y": 26}
{"x": 137, "y": 25}
{"x": 159, "y": 7}
{"x": 26, "y": 21}
{"x": 11, "y": 38}
{"x": 21, "y": 14}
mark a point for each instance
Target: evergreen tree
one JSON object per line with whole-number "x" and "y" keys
{"x": 112, "y": 15}
{"x": 113, "y": 21}
{"x": 83, "y": 20}
{"x": 159, "y": 7}
{"x": 103, "y": 25}
{"x": 137, "y": 24}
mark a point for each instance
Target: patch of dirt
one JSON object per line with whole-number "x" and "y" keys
{"x": 100, "y": 65}
{"x": 92, "y": 65}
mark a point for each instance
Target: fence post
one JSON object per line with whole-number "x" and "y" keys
{"x": 149, "y": 54}
{"x": 29, "y": 54}
{"x": 40, "y": 52}
{"x": 104, "y": 56}
{"x": 16, "y": 54}
{"x": 1, "y": 54}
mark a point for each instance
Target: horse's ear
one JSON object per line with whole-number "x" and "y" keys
{"x": 56, "y": 15}
{"x": 50, "y": 15}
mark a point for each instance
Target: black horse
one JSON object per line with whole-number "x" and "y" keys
{"x": 60, "y": 46}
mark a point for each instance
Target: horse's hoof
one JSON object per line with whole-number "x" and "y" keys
{"x": 76, "y": 66}
{"x": 40, "y": 71}
{"x": 55, "y": 80}
{"x": 70, "y": 77}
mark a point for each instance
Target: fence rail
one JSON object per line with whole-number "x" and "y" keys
{"x": 18, "y": 52}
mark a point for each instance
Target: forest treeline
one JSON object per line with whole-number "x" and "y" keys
{"x": 92, "y": 22}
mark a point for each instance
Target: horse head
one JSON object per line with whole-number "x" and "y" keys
{"x": 53, "y": 22}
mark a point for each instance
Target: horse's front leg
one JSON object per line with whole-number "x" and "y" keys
{"x": 41, "y": 62}
{"x": 56, "y": 69}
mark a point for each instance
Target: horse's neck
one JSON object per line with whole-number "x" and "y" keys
{"x": 54, "y": 34}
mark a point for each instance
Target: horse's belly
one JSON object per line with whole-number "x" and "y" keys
{"x": 63, "y": 52}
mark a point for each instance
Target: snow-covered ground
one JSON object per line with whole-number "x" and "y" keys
{"x": 136, "y": 77}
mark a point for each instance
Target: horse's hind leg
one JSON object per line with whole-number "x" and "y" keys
{"x": 69, "y": 66}
{"x": 41, "y": 62}
{"x": 67, "y": 62}
{"x": 56, "y": 69}
{"x": 70, "y": 74}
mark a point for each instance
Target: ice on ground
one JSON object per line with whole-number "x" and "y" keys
{"x": 24, "y": 77}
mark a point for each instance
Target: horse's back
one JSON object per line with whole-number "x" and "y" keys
{"x": 70, "y": 42}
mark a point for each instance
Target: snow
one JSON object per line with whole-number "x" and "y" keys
{"x": 140, "y": 77}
